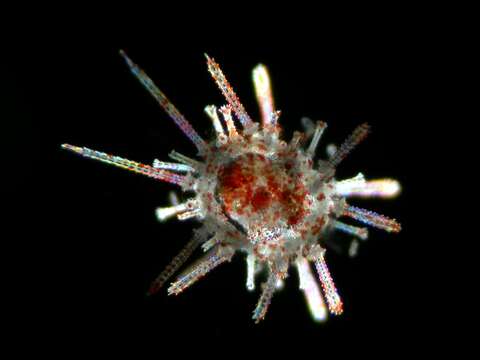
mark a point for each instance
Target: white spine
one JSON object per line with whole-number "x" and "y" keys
{"x": 251, "y": 272}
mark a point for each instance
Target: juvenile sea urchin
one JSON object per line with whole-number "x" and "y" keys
{"x": 255, "y": 193}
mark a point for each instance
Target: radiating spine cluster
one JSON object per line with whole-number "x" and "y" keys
{"x": 254, "y": 193}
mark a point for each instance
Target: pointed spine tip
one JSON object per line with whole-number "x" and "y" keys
{"x": 123, "y": 54}
{"x": 125, "y": 57}
{"x": 71, "y": 148}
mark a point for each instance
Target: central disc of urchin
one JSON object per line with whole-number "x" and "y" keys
{"x": 261, "y": 194}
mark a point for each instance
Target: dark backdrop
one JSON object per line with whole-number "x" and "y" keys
{"x": 90, "y": 243}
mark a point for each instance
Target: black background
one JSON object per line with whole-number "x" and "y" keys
{"x": 87, "y": 240}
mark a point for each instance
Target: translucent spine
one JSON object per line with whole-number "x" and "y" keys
{"x": 174, "y": 265}
{"x": 344, "y": 187}
{"x": 157, "y": 164}
{"x": 228, "y": 92}
{"x": 335, "y": 305}
{"x": 358, "y": 135}
{"x": 312, "y": 293}
{"x": 164, "y": 213}
{"x": 184, "y": 159}
{"x": 359, "y": 232}
{"x": 211, "y": 262}
{"x": 250, "y": 272}
{"x": 263, "y": 91}
{"x": 211, "y": 111}
{"x": 227, "y": 116}
{"x": 353, "y": 249}
{"x": 319, "y": 129}
{"x": 173, "y": 198}
{"x": 210, "y": 243}
{"x": 308, "y": 126}
{"x": 189, "y": 214}
{"x": 331, "y": 150}
{"x": 381, "y": 188}
{"x": 372, "y": 218}
{"x": 127, "y": 164}
{"x": 295, "y": 141}
{"x": 265, "y": 298}
{"x": 171, "y": 110}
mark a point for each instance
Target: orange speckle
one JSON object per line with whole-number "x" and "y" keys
{"x": 261, "y": 199}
